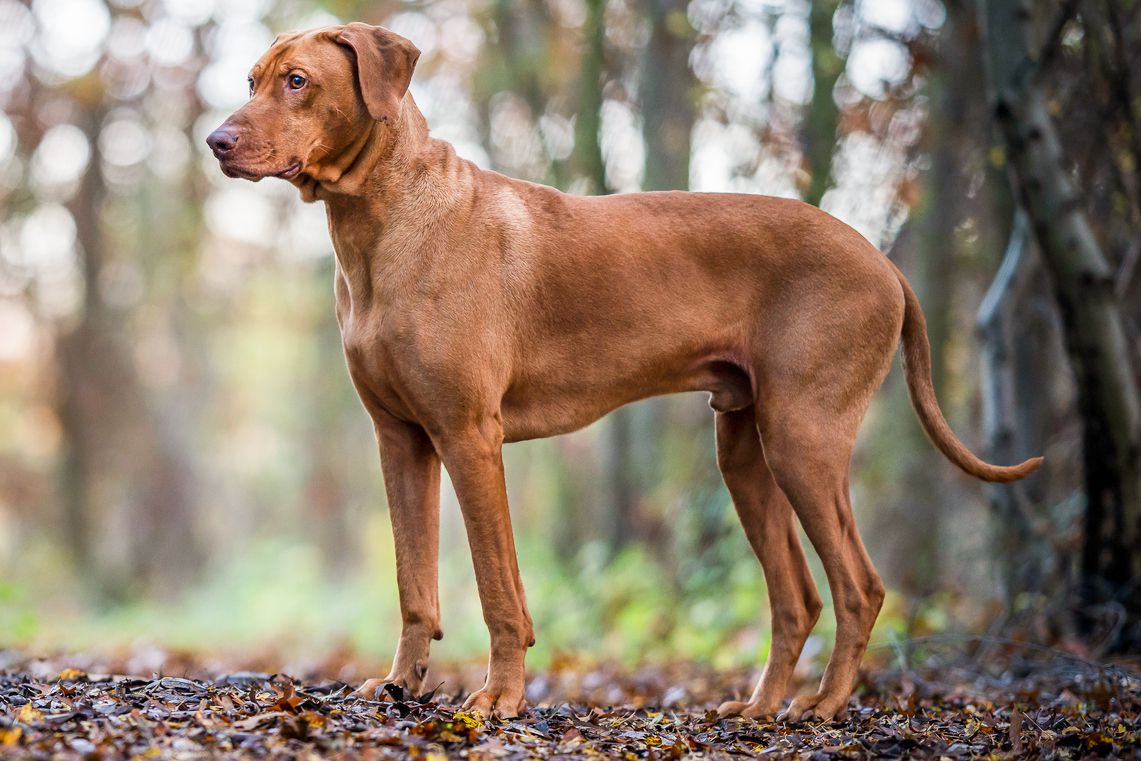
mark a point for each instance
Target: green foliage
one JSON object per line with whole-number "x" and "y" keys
{"x": 17, "y": 615}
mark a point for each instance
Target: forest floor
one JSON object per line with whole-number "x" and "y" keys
{"x": 995, "y": 702}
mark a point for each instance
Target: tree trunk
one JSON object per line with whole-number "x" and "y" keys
{"x": 823, "y": 116}
{"x": 667, "y": 93}
{"x": 119, "y": 458}
{"x": 588, "y": 122}
{"x": 1091, "y": 316}
{"x": 618, "y": 464}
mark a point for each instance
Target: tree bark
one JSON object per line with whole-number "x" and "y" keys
{"x": 1091, "y": 315}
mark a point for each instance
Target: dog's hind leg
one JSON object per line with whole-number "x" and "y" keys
{"x": 770, "y": 527}
{"x": 808, "y": 451}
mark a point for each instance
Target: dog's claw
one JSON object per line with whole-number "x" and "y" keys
{"x": 494, "y": 705}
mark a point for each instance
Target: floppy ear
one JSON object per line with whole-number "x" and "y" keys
{"x": 385, "y": 61}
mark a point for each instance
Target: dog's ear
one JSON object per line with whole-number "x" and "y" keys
{"x": 385, "y": 61}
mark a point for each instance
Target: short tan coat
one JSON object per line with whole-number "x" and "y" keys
{"x": 476, "y": 309}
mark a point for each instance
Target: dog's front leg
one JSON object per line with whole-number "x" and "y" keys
{"x": 412, "y": 482}
{"x": 474, "y": 461}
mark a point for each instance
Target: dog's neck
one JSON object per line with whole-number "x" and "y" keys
{"x": 376, "y": 153}
{"x": 383, "y": 193}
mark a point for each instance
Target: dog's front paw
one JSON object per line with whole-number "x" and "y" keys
{"x": 400, "y": 686}
{"x": 506, "y": 704}
{"x": 817, "y": 707}
{"x": 389, "y": 688}
{"x": 745, "y": 710}
{"x": 372, "y": 689}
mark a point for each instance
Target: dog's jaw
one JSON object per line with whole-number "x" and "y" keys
{"x": 237, "y": 171}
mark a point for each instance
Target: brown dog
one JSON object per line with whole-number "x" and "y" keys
{"x": 476, "y": 309}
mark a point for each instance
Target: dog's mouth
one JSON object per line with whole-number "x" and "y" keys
{"x": 230, "y": 169}
{"x": 290, "y": 171}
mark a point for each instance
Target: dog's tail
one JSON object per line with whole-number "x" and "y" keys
{"x": 917, "y": 368}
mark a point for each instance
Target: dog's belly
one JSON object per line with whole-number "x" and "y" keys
{"x": 547, "y": 407}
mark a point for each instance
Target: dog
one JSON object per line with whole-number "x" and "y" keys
{"x": 476, "y": 309}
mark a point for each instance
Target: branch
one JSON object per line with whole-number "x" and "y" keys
{"x": 1004, "y": 278}
{"x": 996, "y": 391}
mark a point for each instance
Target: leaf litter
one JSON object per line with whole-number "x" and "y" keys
{"x": 1011, "y": 707}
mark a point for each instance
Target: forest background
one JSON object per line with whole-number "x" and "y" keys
{"x": 183, "y": 461}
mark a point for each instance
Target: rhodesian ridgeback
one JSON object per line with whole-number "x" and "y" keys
{"x": 476, "y": 309}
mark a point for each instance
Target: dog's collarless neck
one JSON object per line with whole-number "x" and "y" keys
{"x": 363, "y": 168}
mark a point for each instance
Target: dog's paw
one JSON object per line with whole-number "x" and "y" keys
{"x": 816, "y": 707}
{"x": 747, "y": 710}
{"x": 399, "y": 686}
{"x": 372, "y": 689}
{"x": 389, "y": 688}
{"x": 490, "y": 704}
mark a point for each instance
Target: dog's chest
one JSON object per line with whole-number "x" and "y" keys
{"x": 367, "y": 339}
{"x": 375, "y": 372}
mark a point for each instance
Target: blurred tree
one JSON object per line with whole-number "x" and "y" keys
{"x": 668, "y": 91}
{"x": 119, "y": 456}
{"x": 588, "y": 159}
{"x": 1100, "y": 353}
{"x": 621, "y": 476}
{"x": 821, "y": 121}
{"x": 329, "y": 437}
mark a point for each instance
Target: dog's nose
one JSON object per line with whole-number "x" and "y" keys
{"x": 222, "y": 141}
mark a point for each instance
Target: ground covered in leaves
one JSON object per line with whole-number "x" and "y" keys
{"x": 1002, "y": 703}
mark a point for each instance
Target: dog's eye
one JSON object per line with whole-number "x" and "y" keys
{"x": 250, "y": 82}
{"x": 296, "y": 81}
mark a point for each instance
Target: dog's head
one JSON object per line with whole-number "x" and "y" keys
{"x": 312, "y": 96}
